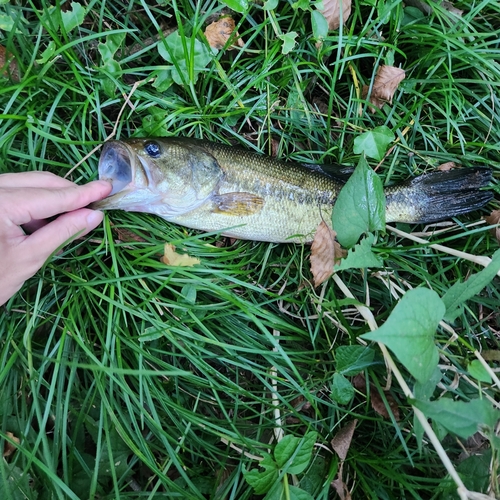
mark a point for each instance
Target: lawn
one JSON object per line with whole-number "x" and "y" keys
{"x": 237, "y": 378}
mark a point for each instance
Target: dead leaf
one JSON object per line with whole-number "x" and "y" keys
{"x": 219, "y": 32}
{"x": 376, "y": 400}
{"x": 492, "y": 355}
{"x": 341, "y": 488}
{"x": 342, "y": 440}
{"x": 341, "y": 444}
{"x": 9, "y": 448}
{"x": 8, "y": 65}
{"x": 172, "y": 258}
{"x": 494, "y": 218}
{"x": 331, "y": 11}
{"x": 325, "y": 253}
{"x": 126, "y": 235}
{"x": 444, "y": 167}
{"x": 386, "y": 82}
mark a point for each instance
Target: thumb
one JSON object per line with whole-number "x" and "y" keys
{"x": 46, "y": 240}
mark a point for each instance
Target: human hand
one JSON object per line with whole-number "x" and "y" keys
{"x": 28, "y": 199}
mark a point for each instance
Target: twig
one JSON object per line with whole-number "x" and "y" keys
{"x": 113, "y": 133}
{"x": 369, "y": 318}
{"x": 477, "y": 259}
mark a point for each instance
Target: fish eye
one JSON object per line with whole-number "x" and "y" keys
{"x": 153, "y": 149}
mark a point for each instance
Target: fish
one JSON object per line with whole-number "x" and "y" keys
{"x": 242, "y": 194}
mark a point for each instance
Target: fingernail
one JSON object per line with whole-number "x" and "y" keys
{"x": 94, "y": 219}
{"x": 105, "y": 182}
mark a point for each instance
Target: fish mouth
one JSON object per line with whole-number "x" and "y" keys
{"x": 117, "y": 166}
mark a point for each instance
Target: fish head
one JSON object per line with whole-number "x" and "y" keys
{"x": 168, "y": 177}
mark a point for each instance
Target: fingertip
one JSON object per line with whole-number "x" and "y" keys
{"x": 94, "y": 218}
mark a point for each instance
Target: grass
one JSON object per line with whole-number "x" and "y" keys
{"x": 125, "y": 378}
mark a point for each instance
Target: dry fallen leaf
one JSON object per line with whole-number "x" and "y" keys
{"x": 172, "y": 258}
{"x": 341, "y": 444}
{"x": 325, "y": 252}
{"x": 494, "y": 218}
{"x": 386, "y": 82}
{"x": 342, "y": 440}
{"x": 376, "y": 400}
{"x": 8, "y": 65}
{"x": 491, "y": 355}
{"x": 127, "y": 235}
{"x": 444, "y": 167}
{"x": 331, "y": 11}
{"x": 9, "y": 448}
{"x": 219, "y": 32}
{"x": 341, "y": 488}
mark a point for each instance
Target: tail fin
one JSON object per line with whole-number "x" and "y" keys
{"x": 438, "y": 195}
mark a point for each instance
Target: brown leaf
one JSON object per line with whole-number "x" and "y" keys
{"x": 376, "y": 400}
{"x": 8, "y": 65}
{"x": 172, "y": 258}
{"x": 325, "y": 252}
{"x": 342, "y": 440}
{"x": 444, "y": 167}
{"x": 341, "y": 489}
{"x": 492, "y": 355}
{"x": 494, "y": 218}
{"x": 126, "y": 235}
{"x": 331, "y": 11}
{"x": 386, "y": 82}
{"x": 219, "y": 32}
{"x": 9, "y": 448}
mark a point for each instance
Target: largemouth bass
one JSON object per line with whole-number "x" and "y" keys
{"x": 214, "y": 187}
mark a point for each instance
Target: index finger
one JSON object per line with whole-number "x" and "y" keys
{"x": 34, "y": 179}
{"x": 44, "y": 203}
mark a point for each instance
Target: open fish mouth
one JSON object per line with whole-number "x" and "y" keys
{"x": 115, "y": 165}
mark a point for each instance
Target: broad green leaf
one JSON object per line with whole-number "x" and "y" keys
{"x": 460, "y": 292}
{"x": 424, "y": 391}
{"x": 188, "y": 61}
{"x": 237, "y": 5}
{"x": 302, "y": 4}
{"x": 412, "y": 15}
{"x": 298, "y": 494}
{"x": 163, "y": 80}
{"x": 460, "y": 418}
{"x": 316, "y": 473}
{"x": 47, "y": 53}
{"x": 7, "y": 23}
{"x": 270, "y": 4}
{"x": 74, "y": 17}
{"x": 289, "y": 42}
{"x": 16, "y": 484}
{"x": 261, "y": 482}
{"x": 293, "y": 454}
{"x": 319, "y": 24}
{"x": 342, "y": 389}
{"x": 360, "y": 256}
{"x": 360, "y": 206}
{"x": 409, "y": 331}
{"x": 479, "y": 372}
{"x": 353, "y": 359}
{"x": 110, "y": 46}
{"x": 151, "y": 333}
{"x": 374, "y": 142}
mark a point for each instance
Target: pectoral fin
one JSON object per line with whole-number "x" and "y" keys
{"x": 237, "y": 203}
